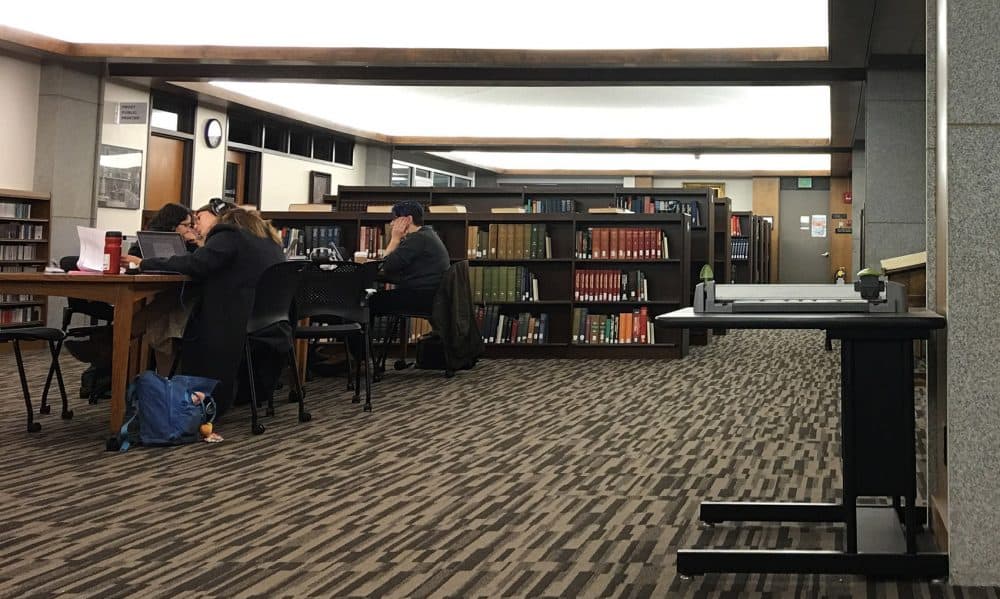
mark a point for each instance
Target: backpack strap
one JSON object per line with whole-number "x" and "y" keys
{"x": 123, "y": 440}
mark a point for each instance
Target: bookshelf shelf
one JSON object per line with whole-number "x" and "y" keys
{"x": 19, "y": 304}
{"x": 8, "y": 219}
{"x": 25, "y": 262}
{"x": 666, "y": 278}
{"x": 23, "y": 325}
{"x": 20, "y": 241}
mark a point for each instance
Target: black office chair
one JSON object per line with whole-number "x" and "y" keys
{"x": 52, "y": 337}
{"x": 334, "y": 297}
{"x": 270, "y": 324}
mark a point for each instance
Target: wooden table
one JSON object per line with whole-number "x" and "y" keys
{"x": 129, "y": 294}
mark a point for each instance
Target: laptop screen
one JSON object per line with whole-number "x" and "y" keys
{"x": 159, "y": 244}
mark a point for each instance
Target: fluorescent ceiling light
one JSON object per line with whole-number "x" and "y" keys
{"x": 522, "y": 24}
{"x": 710, "y": 112}
{"x": 624, "y": 162}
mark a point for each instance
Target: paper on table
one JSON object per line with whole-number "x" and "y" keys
{"x": 91, "y": 249}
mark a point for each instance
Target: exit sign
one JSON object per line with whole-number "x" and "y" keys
{"x": 805, "y": 182}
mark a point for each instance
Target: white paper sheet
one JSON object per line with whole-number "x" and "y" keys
{"x": 91, "y": 249}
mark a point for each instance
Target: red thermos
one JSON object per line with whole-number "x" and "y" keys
{"x": 112, "y": 252}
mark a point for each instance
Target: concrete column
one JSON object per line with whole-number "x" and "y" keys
{"x": 378, "y": 165}
{"x": 969, "y": 136}
{"x": 65, "y": 154}
{"x": 894, "y": 164}
{"x": 858, "y": 182}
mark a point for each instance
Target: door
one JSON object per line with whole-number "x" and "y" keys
{"x": 165, "y": 178}
{"x": 236, "y": 175}
{"x": 804, "y": 239}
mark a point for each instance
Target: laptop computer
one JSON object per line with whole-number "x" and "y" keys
{"x": 161, "y": 244}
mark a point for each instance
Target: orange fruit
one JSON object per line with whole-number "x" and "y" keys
{"x": 206, "y": 429}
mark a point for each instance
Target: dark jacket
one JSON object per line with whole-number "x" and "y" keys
{"x": 454, "y": 318}
{"x": 418, "y": 262}
{"x": 228, "y": 267}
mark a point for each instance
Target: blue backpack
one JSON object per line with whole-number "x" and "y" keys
{"x": 164, "y": 409}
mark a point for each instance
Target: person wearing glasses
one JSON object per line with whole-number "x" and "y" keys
{"x": 176, "y": 218}
{"x": 238, "y": 248}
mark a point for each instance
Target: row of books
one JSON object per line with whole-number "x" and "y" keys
{"x": 372, "y": 240}
{"x": 647, "y": 204}
{"x": 20, "y": 315}
{"x": 15, "y": 210}
{"x": 497, "y": 327}
{"x": 17, "y": 252}
{"x": 415, "y": 327}
{"x": 610, "y": 286}
{"x": 622, "y": 243}
{"x": 509, "y": 242}
{"x": 21, "y": 231}
{"x": 503, "y": 284}
{"x": 735, "y": 228}
{"x": 549, "y": 206}
{"x": 299, "y": 242}
{"x": 19, "y": 268}
{"x": 620, "y": 328}
{"x": 9, "y": 298}
{"x": 741, "y": 249}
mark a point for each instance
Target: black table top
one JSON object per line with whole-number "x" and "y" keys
{"x": 922, "y": 320}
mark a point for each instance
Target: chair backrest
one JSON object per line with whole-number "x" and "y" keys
{"x": 274, "y": 294}
{"x": 339, "y": 291}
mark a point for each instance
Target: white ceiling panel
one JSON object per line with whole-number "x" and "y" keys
{"x": 627, "y": 162}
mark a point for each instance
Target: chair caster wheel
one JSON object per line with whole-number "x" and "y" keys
{"x": 400, "y": 365}
{"x": 67, "y": 415}
{"x": 259, "y": 429}
{"x": 367, "y": 407}
{"x": 92, "y": 400}
{"x": 34, "y": 427}
{"x": 46, "y": 409}
{"x": 112, "y": 444}
{"x": 305, "y": 417}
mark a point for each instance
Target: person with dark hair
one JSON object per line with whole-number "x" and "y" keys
{"x": 415, "y": 261}
{"x": 238, "y": 249}
{"x": 176, "y": 218}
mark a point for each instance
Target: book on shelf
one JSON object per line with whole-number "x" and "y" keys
{"x": 609, "y": 210}
{"x": 15, "y": 210}
{"x": 20, "y": 315}
{"x": 622, "y": 243}
{"x": 610, "y": 286}
{"x": 447, "y": 209}
{"x": 17, "y": 252}
{"x": 734, "y": 225}
{"x": 740, "y": 248}
{"x": 632, "y": 327}
{"x": 509, "y": 241}
{"x": 372, "y": 240}
{"x": 500, "y": 327}
{"x": 498, "y": 284}
{"x": 310, "y": 207}
{"x": 415, "y": 328}
{"x": 549, "y": 205}
{"x": 648, "y": 204}
{"x": 300, "y": 241}
{"x": 21, "y": 231}
{"x": 508, "y": 210}
{"x": 379, "y": 209}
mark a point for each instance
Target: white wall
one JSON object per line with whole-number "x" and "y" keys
{"x": 126, "y": 136}
{"x": 208, "y": 167}
{"x": 285, "y": 179}
{"x": 19, "y": 83}
{"x": 739, "y": 190}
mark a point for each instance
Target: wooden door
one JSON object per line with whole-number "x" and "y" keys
{"x": 165, "y": 177}
{"x": 236, "y": 175}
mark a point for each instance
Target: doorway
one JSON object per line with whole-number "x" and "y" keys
{"x": 804, "y": 240}
{"x": 236, "y": 177}
{"x": 166, "y": 181}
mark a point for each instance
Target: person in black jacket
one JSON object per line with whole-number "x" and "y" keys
{"x": 237, "y": 250}
{"x": 415, "y": 261}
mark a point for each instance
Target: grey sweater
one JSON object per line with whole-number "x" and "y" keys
{"x": 418, "y": 262}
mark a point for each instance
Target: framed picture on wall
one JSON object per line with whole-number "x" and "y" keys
{"x": 319, "y": 186}
{"x": 119, "y": 177}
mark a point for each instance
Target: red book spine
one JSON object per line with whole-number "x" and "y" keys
{"x": 643, "y": 324}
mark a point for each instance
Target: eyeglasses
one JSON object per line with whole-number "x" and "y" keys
{"x": 186, "y": 225}
{"x": 218, "y": 206}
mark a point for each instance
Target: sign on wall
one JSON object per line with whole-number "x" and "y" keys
{"x": 131, "y": 113}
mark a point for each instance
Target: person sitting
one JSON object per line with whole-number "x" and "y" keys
{"x": 176, "y": 218}
{"x": 238, "y": 248}
{"x": 206, "y": 216}
{"x": 415, "y": 261}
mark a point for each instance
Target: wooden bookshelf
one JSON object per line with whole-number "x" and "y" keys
{"x": 24, "y": 247}
{"x": 722, "y": 263}
{"x": 742, "y": 245}
{"x": 668, "y": 280}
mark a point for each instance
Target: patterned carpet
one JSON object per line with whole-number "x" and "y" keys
{"x": 520, "y": 478}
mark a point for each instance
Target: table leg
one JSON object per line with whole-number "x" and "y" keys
{"x": 122, "y": 338}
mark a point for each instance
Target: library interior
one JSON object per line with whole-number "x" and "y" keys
{"x": 654, "y": 299}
